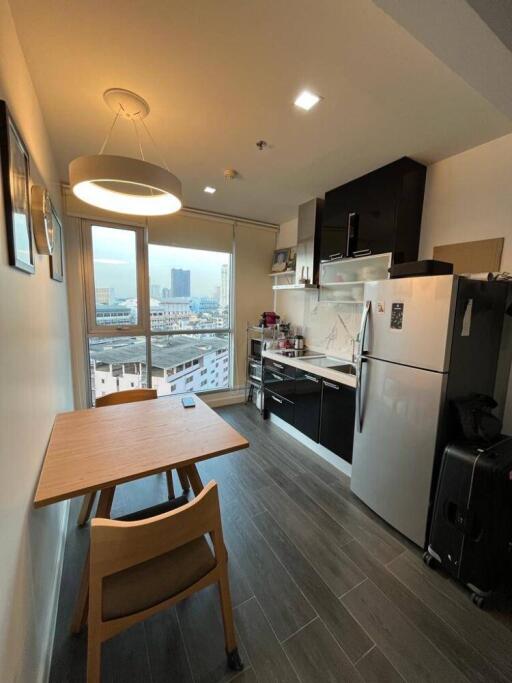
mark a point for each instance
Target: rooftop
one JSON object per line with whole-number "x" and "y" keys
{"x": 166, "y": 352}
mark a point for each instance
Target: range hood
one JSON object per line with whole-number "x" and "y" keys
{"x": 308, "y": 242}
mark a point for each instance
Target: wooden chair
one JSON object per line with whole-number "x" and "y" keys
{"x": 128, "y": 396}
{"x": 140, "y": 568}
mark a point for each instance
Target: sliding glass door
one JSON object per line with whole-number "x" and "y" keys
{"x": 158, "y": 307}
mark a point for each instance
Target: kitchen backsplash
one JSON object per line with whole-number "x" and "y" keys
{"x": 327, "y": 326}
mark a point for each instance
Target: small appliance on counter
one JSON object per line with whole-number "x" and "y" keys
{"x": 268, "y": 319}
{"x": 298, "y": 342}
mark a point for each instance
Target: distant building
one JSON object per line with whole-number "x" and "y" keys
{"x": 105, "y": 296}
{"x": 179, "y": 364}
{"x": 224, "y": 285}
{"x": 204, "y": 304}
{"x": 166, "y": 293}
{"x": 113, "y": 315}
{"x": 156, "y": 292}
{"x": 180, "y": 282}
{"x": 172, "y": 314}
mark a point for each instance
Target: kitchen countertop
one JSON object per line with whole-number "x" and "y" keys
{"x": 302, "y": 364}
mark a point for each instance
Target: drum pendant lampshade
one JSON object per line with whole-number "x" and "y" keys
{"x": 124, "y": 184}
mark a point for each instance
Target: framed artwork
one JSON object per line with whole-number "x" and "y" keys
{"x": 41, "y": 214}
{"x": 280, "y": 260}
{"x": 56, "y": 258}
{"x": 292, "y": 259}
{"x": 14, "y": 162}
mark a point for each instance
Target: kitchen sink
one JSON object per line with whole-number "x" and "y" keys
{"x": 348, "y": 368}
{"x": 332, "y": 364}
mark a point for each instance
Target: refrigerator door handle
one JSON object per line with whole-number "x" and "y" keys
{"x": 359, "y": 387}
{"x": 364, "y": 324}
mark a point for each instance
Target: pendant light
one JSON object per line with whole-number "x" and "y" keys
{"x": 124, "y": 184}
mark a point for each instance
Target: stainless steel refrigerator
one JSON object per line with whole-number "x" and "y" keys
{"x": 424, "y": 342}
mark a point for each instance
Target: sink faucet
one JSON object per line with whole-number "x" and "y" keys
{"x": 352, "y": 339}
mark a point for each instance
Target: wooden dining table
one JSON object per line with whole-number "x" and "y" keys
{"x": 98, "y": 449}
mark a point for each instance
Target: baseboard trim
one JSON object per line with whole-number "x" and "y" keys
{"x": 224, "y": 398}
{"x": 317, "y": 448}
{"x": 54, "y": 592}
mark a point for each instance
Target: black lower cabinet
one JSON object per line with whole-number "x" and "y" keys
{"x": 280, "y": 406}
{"x": 337, "y": 418}
{"x": 308, "y": 393}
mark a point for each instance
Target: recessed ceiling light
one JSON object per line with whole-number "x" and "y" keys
{"x": 306, "y": 100}
{"x": 210, "y": 190}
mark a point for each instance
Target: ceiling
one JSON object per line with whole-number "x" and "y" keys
{"x": 221, "y": 75}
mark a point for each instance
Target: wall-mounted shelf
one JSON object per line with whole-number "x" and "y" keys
{"x": 308, "y": 286}
{"x": 282, "y": 272}
{"x": 344, "y": 284}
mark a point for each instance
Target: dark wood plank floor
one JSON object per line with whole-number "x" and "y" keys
{"x": 323, "y": 590}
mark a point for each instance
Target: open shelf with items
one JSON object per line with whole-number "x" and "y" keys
{"x": 263, "y": 337}
{"x": 307, "y": 285}
{"x": 281, "y": 273}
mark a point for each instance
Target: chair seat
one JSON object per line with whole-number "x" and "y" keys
{"x": 145, "y": 585}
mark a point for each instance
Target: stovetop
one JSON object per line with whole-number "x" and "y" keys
{"x": 298, "y": 353}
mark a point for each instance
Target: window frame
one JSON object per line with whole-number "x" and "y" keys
{"x": 93, "y": 329}
{"x": 143, "y": 328}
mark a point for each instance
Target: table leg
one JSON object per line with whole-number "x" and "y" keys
{"x": 183, "y": 480}
{"x": 86, "y": 508}
{"x": 194, "y": 479}
{"x": 81, "y": 607}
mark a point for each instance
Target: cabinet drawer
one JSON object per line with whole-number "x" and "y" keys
{"x": 280, "y": 406}
{"x": 278, "y": 383}
{"x": 279, "y": 367}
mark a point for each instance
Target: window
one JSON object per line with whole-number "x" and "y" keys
{"x": 157, "y": 307}
{"x": 192, "y": 286}
{"x": 115, "y": 283}
{"x": 117, "y": 363}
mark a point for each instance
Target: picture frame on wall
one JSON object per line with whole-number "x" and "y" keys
{"x": 15, "y": 168}
{"x": 56, "y": 257}
{"x": 292, "y": 259}
{"x": 280, "y": 260}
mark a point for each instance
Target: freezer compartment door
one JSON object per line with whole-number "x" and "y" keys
{"x": 394, "y": 452}
{"x": 410, "y": 320}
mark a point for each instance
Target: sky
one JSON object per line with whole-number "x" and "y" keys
{"x": 114, "y": 264}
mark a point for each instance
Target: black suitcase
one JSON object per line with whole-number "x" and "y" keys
{"x": 471, "y": 529}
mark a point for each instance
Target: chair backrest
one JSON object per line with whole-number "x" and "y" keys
{"x": 117, "y": 545}
{"x": 128, "y": 396}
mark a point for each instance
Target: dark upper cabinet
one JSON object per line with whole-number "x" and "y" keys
{"x": 384, "y": 209}
{"x": 308, "y": 392}
{"x": 337, "y": 418}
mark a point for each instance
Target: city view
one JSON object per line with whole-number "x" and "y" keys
{"x": 189, "y": 302}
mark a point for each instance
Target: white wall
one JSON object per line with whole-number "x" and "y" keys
{"x": 469, "y": 197}
{"x": 36, "y": 384}
{"x": 287, "y": 236}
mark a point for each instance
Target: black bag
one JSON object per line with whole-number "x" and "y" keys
{"x": 471, "y": 529}
{"x": 477, "y": 422}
